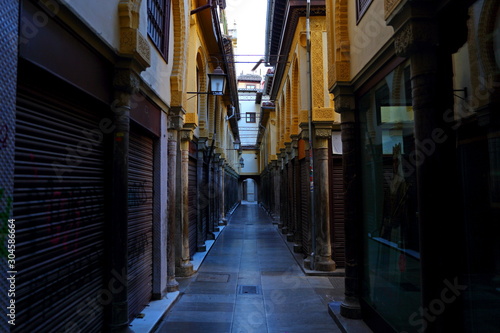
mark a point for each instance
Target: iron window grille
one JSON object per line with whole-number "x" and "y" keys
{"x": 361, "y": 7}
{"x": 158, "y": 24}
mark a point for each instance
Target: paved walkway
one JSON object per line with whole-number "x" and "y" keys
{"x": 250, "y": 282}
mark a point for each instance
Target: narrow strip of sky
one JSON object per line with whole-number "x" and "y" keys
{"x": 250, "y": 18}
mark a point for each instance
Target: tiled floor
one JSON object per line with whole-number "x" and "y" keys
{"x": 250, "y": 282}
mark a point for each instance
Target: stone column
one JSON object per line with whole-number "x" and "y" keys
{"x": 210, "y": 199}
{"x": 323, "y": 256}
{"x": 222, "y": 220}
{"x": 202, "y": 194}
{"x": 175, "y": 124}
{"x": 215, "y": 193}
{"x": 289, "y": 195}
{"x": 417, "y": 37}
{"x": 283, "y": 192}
{"x": 275, "y": 209}
{"x": 126, "y": 83}
{"x": 297, "y": 227}
{"x": 184, "y": 265}
{"x": 345, "y": 105}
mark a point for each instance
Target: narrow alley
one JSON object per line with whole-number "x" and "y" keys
{"x": 238, "y": 166}
{"x": 250, "y": 282}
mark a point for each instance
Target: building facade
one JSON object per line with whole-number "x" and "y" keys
{"x": 416, "y": 85}
{"x": 115, "y": 165}
{"x": 303, "y": 171}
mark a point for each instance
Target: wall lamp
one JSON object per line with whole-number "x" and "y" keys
{"x": 242, "y": 162}
{"x": 237, "y": 144}
{"x": 216, "y": 82}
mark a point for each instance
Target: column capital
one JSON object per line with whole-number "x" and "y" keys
{"x": 415, "y": 26}
{"x": 202, "y": 144}
{"x": 176, "y": 118}
{"x": 323, "y": 130}
{"x": 186, "y": 134}
{"x": 416, "y": 35}
{"x": 344, "y": 100}
{"x": 288, "y": 148}
{"x": 304, "y": 133}
{"x": 295, "y": 144}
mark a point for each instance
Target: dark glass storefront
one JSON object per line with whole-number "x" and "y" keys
{"x": 391, "y": 272}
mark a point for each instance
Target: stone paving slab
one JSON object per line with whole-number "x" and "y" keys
{"x": 250, "y": 254}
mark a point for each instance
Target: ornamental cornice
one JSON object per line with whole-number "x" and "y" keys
{"x": 132, "y": 43}
{"x": 323, "y": 114}
{"x": 390, "y": 6}
{"x": 415, "y": 36}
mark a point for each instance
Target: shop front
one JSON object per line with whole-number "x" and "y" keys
{"x": 390, "y": 236}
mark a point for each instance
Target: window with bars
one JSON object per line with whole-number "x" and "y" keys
{"x": 251, "y": 117}
{"x": 361, "y": 7}
{"x": 158, "y": 24}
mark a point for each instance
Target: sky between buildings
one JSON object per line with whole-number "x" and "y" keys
{"x": 250, "y": 18}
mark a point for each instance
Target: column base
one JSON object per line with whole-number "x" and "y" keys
{"x": 223, "y": 221}
{"x": 284, "y": 230}
{"x": 119, "y": 320}
{"x": 184, "y": 270}
{"x": 210, "y": 236}
{"x": 321, "y": 264}
{"x": 297, "y": 248}
{"x": 325, "y": 265}
{"x": 201, "y": 248}
{"x": 290, "y": 238}
{"x": 172, "y": 285}
{"x": 350, "y": 308}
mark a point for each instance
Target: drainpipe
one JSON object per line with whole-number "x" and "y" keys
{"x": 311, "y": 155}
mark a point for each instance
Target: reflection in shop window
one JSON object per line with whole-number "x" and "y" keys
{"x": 392, "y": 258}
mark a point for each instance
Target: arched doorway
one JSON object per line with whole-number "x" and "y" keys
{"x": 249, "y": 190}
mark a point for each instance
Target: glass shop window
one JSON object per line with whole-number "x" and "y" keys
{"x": 390, "y": 226}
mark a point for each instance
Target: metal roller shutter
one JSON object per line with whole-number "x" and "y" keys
{"x": 297, "y": 201}
{"x": 203, "y": 200}
{"x": 338, "y": 238}
{"x": 59, "y": 211}
{"x": 304, "y": 203}
{"x": 193, "y": 206}
{"x": 140, "y": 222}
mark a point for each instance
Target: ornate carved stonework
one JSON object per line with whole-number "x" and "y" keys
{"x": 317, "y": 68}
{"x": 323, "y": 133}
{"x": 343, "y": 71}
{"x": 180, "y": 53}
{"x": 389, "y": 6}
{"x": 415, "y": 36}
{"x": 344, "y": 103}
{"x": 176, "y": 118}
{"x": 191, "y": 120}
{"x": 295, "y": 125}
{"x": 323, "y": 114}
{"x": 303, "y": 116}
{"x": 126, "y": 81}
{"x": 186, "y": 135}
{"x": 132, "y": 43}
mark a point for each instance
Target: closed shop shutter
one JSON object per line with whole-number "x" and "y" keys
{"x": 337, "y": 191}
{"x": 59, "y": 210}
{"x": 192, "y": 206}
{"x": 304, "y": 204}
{"x": 140, "y": 223}
{"x": 204, "y": 199}
{"x": 297, "y": 200}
